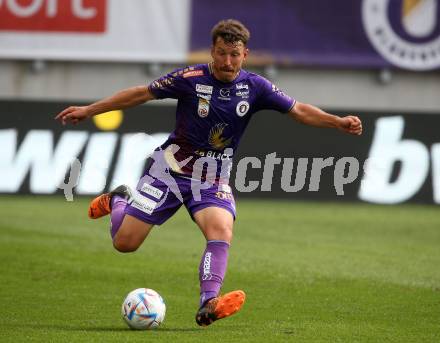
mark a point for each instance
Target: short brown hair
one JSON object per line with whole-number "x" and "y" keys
{"x": 231, "y": 30}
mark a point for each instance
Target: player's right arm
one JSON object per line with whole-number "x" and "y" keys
{"x": 125, "y": 98}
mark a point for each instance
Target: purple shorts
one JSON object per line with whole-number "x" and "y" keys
{"x": 157, "y": 200}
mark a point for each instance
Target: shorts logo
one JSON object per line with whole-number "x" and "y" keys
{"x": 242, "y": 108}
{"x": 203, "y": 108}
{"x": 224, "y": 188}
{"x": 224, "y": 196}
{"x": 152, "y": 191}
{"x": 413, "y": 42}
{"x": 203, "y": 89}
{"x": 144, "y": 204}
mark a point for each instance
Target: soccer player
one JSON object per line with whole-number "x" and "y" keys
{"x": 215, "y": 103}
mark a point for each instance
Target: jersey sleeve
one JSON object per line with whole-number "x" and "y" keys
{"x": 172, "y": 85}
{"x": 272, "y": 98}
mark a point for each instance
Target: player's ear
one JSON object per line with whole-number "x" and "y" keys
{"x": 212, "y": 51}
{"x": 246, "y": 52}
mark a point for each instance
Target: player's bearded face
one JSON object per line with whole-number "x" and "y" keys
{"x": 228, "y": 59}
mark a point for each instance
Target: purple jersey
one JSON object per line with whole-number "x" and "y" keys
{"x": 212, "y": 115}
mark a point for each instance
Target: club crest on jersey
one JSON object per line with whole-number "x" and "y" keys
{"x": 203, "y": 108}
{"x": 242, "y": 108}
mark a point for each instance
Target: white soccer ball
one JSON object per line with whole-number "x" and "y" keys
{"x": 143, "y": 309}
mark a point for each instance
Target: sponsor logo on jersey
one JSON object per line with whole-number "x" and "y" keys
{"x": 203, "y": 89}
{"x": 193, "y": 73}
{"x": 275, "y": 89}
{"x": 203, "y": 108}
{"x": 216, "y": 155}
{"x": 152, "y": 191}
{"x": 243, "y": 94}
{"x": 216, "y": 139}
{"x": 225, "y": 94}
{"x": 414, "y": 42}
{"x": 242, "y": 108}
{"x": 204, "y": 96}
{"x": 162, "y": 83}
{"x": 242, "y": 86}
{"x": 182, "y": 71}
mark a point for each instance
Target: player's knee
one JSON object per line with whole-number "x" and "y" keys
{"x": 220, "y": 232}
{"x": 125, "y": 244}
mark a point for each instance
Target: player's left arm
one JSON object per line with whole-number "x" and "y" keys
{"x": 314, "y": 116}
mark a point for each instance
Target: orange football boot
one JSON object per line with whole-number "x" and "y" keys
{"x": 220, "y": 307}
{"x": 100, "y": 206}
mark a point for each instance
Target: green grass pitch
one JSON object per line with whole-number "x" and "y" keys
{"x": 313, "y": 272}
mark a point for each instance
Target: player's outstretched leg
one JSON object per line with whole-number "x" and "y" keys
{"x": 216, "y": 224}
{"x": 101, "y": 205}
{"x": 220, "y": 307}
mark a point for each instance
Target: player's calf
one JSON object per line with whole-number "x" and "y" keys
{"x": 131, "y": 234}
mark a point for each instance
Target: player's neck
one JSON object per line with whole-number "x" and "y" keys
{"x": 217, "y": 76}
